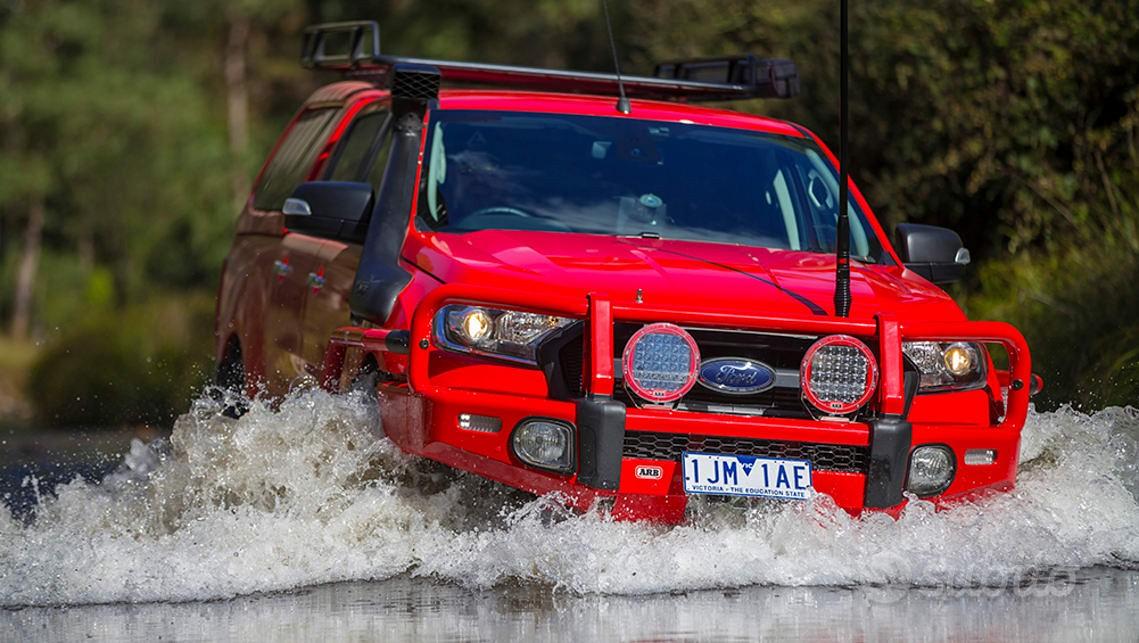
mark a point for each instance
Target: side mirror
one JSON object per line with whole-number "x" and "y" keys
{"x": 933, "y": 252}
{"x": 330, "y": 209}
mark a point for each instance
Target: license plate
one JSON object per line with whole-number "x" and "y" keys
{"x": 745, "y": 475}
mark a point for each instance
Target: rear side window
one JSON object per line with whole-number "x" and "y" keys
{"x": 359, "y": 147}
{"x": 294, "y": 158}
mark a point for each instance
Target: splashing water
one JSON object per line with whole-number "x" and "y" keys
{"x": 312, "y": 493}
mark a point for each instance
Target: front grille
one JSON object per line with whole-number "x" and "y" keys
{"x": 775, "y": 402}
{"x": 775, "y": 350}
{"x": 783, "y": 352}
{"x": 669, "y": 446}
{"x": 778, "y": 351}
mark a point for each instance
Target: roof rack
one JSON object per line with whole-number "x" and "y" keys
{"x": 354, "y": 48}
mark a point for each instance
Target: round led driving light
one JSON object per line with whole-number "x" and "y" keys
{"x": 838, "y": 374}
{"x": 660, "y": 363}
{"x": 476, "y": 325}
{"x": 960, "y": 359}
{"x": 931, "y": 470}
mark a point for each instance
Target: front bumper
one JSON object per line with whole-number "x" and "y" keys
{"x": 866, "y": 461}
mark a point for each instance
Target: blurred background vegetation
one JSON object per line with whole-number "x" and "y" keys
{"x": 129, "y": 131}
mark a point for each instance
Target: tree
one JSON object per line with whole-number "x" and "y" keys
{"x": 112, "y": 148}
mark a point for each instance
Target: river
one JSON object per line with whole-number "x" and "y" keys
{"x": 302, "y": 522}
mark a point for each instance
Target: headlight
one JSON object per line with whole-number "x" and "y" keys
{"x": 508, "y": 334}
{"x": 947, "y": 366}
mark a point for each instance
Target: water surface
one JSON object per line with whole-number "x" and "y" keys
{"x": 304, "y": 521}
{"x": 1094, "y": 605}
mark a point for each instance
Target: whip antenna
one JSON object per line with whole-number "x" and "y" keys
{"x": 842, "y": 243}
{"x": 622, "y": 101}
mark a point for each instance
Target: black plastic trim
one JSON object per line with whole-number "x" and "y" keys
{"x": 601, "y": 439}
{"x": 339, "y": 210}
{"x": 930, "y": 251}
{"x": 890, "y": 438}
{"x": 550, "y": 361}
{"x": 911, "y": 383}
{"x": 654, "y": 445}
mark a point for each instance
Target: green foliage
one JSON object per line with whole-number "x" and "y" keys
{"x": 137, "y": 365}
{"x": 557, "y": 33}
{"x": 1080, "y": 313}
{"x": 104, "y": 122}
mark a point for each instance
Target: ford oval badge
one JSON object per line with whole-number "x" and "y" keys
{"x": 736, "y": 375}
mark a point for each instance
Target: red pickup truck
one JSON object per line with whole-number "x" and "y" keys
{"x": 626, "y": 303}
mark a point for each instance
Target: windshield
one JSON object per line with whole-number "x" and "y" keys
{"x": 620, "y": 176}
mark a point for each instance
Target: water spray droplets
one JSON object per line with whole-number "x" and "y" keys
{"x": 311, "y": 492}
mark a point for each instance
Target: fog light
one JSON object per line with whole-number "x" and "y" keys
{"x": 931, "y": 470}
{"x": 547, "y": 444}
{"x": 980, "y": 456}
{"x": 480, "y": 423}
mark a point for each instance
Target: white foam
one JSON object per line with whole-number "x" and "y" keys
{"x": 311, "y": 493}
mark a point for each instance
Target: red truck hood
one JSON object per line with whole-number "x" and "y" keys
{"x": 705, "y": 276}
